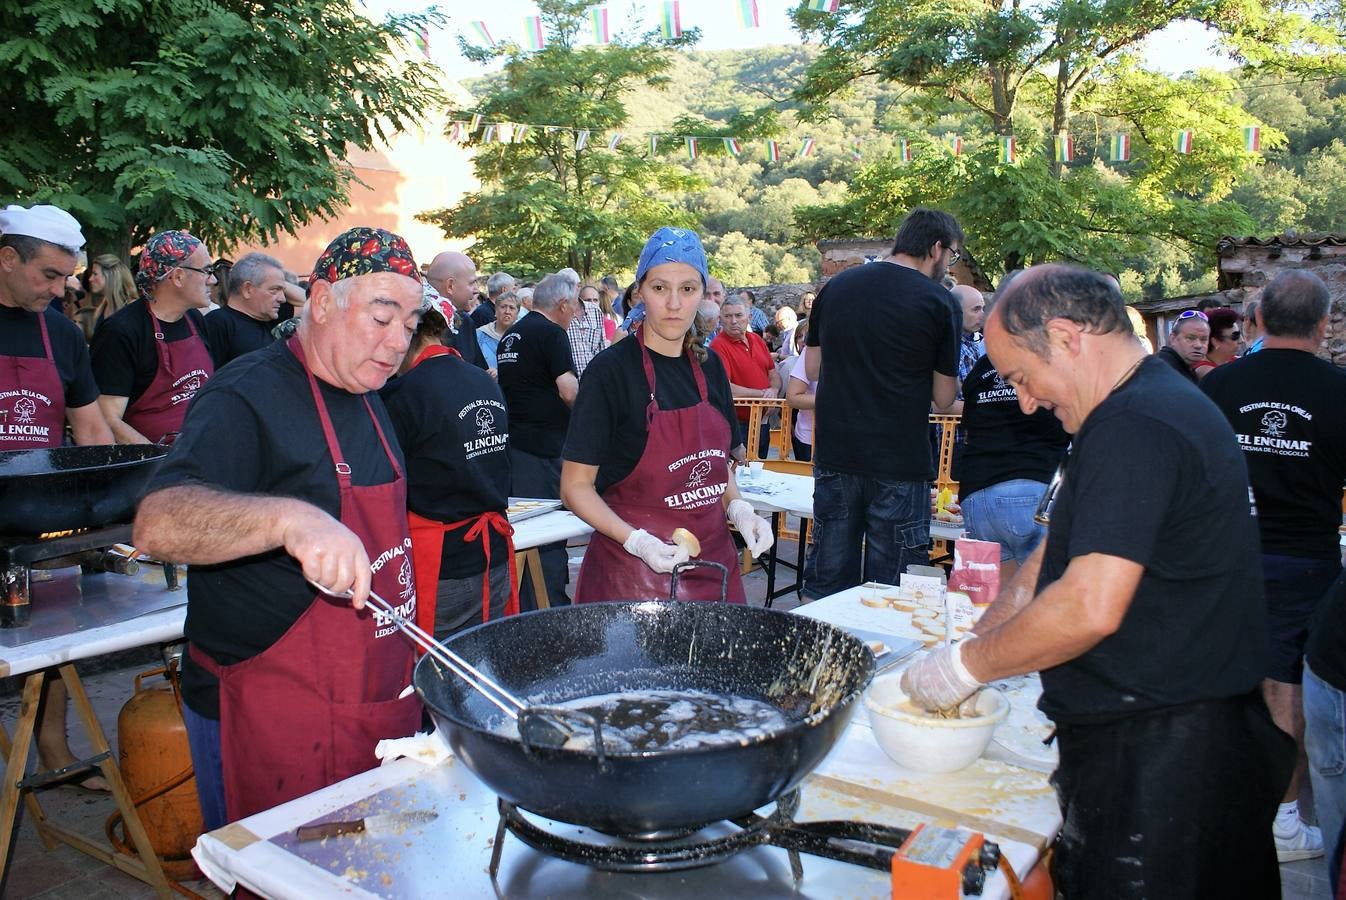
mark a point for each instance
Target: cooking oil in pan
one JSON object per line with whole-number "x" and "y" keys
{"x": 654, "y": 720}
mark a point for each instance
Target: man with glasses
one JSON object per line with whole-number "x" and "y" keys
{"x": 150, "y": 357}
{"x": 1285, "y": 405}
{"x": 886, "y": 333}
{"x": 1187, "y": 343}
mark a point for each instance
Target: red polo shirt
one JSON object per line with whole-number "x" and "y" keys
{"x": 747, "y": 362}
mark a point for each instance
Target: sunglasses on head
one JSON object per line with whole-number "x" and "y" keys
{"x": 1193, "y": 314}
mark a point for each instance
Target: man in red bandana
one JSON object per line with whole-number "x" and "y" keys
{"x": 288, "y": 473}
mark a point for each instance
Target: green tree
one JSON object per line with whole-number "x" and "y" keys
{"x": 549, "y": 201}
{"x": 227, "y": 117}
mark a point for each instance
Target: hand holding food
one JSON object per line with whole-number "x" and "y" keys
{"x": 756, "y": 531}
{"x": 940, "y": 681}
{"x": 653, "y": 552}
{"x": 684, "y": 538}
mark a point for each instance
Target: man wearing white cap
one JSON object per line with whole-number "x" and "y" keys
{"x": 45, "y": 381}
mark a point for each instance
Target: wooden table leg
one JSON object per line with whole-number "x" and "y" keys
{"x": 153, "y": 873}
{"x": 530, "y": 561}
{"x": 16, "y": 762}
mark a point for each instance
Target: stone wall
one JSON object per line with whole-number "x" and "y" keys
{"x": 1249, "y": 265}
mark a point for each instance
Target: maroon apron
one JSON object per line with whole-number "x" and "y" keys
{"x": 307, "y": 711}
{"x": 158, "y": 413}
{"x": 32, "y": 399}
{"x": 679, "y": 482}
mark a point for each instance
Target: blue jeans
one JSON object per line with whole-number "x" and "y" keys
{"x": 203, "y": 737}
{"x": 890, "y": 518}
{"x": 1325, "y": 743}
{"x": 1004, "y": 513}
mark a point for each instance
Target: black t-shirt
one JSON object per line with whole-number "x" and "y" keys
{"x": 1180, "y": 365}
{"x": 1155, "y": 477}
{"x": 230, "y": 334}
{"x": 21, "y": 335}
{"x": 884, "y": 330}
{"x": 1000, "y": 443}
{"x": 484, "y": 314}
{"x": 1288, "y": 409}
{"x": 532, "y": 355}
{"x": 124, "y": 357}
{"x": 1326, "y": 650}
{"x": 254, "y": 429}
{"x": 465, "y": 341}
{"x": 451, "y": 421}
{"x": 607, "y": 428}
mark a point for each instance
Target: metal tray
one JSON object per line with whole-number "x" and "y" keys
{"x": 516, "y": 513}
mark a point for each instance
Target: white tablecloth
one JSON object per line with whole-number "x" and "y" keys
{"x": 561, "y": 525}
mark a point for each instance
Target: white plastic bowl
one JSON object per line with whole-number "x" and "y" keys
{"x": 925, "y": 743}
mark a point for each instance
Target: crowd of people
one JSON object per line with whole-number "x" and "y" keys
{"x": 362, "y": 432}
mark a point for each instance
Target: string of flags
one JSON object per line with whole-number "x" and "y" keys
{"x": 670, "y": 22}
{"x": 1118, "y": 145}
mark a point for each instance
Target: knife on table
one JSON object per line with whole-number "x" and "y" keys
{"x": 382, "y": 824}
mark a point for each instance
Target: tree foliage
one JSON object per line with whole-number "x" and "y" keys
{"x": 227, "y": 117}
{"x": 547, "y": 201}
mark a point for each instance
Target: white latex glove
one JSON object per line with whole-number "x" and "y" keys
{"x": 653, "y": 552}
{"x": 940, "y": 681}
{"x": 756, "y": 530}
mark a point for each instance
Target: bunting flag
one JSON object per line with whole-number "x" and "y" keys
{"x": 550, "y": 129}
{"x": 598, "y": 18}
{"x": 855, "y": 149}
{"x": 532, "y": 29}
{"x": 520, "y": 132}
{"x": 806, "y": 148}
{"x": 422, "y": 41}
{"x": 955, "y": 144}
{"x": 1007, "y": 149}
{"x": 614, "y": 141}
{"x": 1252, "y": 138}
{"x": 1182, "y": 141}
{"x": 581, "y": 138}
{"x": 488, "y": 135}
{"x": 904, "y": 150}
{"x": 691, "y": 148}
{"x": 773, "y": 151}
{"x": 476, "y": 123}
{"x": 1065, "y": 148}
{"x": 1121, "y": 147}
{"x": 480, "y": 27}
{"x": 824, "y": 5}
{"x": 671, "y": 22}
{"x": 456, "y": 132}
{"x": 654, "y": 145}
{"x": 732, "y": 147}
{"x": 747, "y": 13}
{"x": 504, "y": 132}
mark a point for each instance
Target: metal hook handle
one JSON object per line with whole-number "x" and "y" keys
{"x": 696, "y": 564}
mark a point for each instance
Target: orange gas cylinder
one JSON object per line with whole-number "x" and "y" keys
{"x": 156, "y": 764}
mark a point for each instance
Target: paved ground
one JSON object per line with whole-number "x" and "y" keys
{"x": 65, "y": 874}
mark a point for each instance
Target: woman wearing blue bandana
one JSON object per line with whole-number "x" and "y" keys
{"x": 648, "y": 451}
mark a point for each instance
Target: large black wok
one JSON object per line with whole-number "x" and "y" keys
{"x": 809, "y": 669}
{"x": 64, "y": 488}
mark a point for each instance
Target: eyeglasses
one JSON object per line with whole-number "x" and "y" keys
{"x": 208, "y": 271}
{"x": 1235, "y": 336}
{"x": 1193, "y": 314}
{"x": 957, "y": 255}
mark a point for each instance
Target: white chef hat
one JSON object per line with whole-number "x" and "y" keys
{"x": 46, "y": 223}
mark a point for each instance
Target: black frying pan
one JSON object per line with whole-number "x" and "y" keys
{"x": 809, "y": 669}
{"x": 63, "y": 488}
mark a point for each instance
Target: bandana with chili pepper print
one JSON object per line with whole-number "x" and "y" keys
{"x": 364, "y": 251}
{"x": 164, "y": 252}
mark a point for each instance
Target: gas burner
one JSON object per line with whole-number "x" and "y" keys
{"x": 859, "y": 843}
{"x": 89, "y": 548}
{"x": 668, "y": 851}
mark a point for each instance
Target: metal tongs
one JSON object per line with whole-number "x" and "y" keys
{"x": 539, "y": 726}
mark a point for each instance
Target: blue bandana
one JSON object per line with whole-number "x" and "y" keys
{"x": 669, "y": 245}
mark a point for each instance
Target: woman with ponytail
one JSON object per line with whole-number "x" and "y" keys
{"x": 647, "y": 457}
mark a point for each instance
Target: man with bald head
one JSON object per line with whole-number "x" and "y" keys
{"x": 1151, "y": 648}
{"x": 454, "y": 276}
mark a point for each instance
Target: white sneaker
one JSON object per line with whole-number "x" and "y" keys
{"x": 1304, "y": 842}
